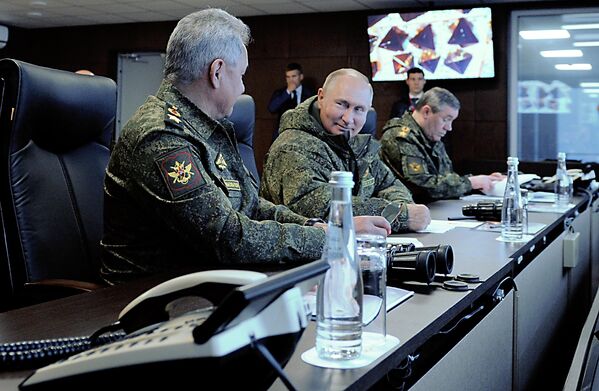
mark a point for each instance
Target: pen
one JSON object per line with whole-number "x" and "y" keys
{"x": 461, "y": 218}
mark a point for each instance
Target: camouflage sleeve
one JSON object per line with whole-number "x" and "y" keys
{"x": 450, "y": 185}
{"x": 390, "y": 188}
{"x": 269, "y": 211}
{"x": 299, "y": 179}
{"x": 408, "y": 163}
{"x": 203, "y": 215}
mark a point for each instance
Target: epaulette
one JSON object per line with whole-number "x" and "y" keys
{"x": 172, "y": 116}
{"x": 404, "y": 131}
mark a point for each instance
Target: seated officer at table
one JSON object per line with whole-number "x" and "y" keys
{"x": 320, "y": 136}
{"x": 412, "y": 148}
{"x": 176, "y": 191}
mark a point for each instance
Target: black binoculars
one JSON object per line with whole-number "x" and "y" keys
{"x": 408, "y": 262}
{"x": 484, "y": 211}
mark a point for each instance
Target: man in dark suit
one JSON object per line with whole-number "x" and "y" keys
{"x": 415, "y": 82}
{"x": 287, "y": 98}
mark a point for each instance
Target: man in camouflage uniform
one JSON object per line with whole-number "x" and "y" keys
{"x": 412, "y": 148}
{"x": 320, "y": 136}
{"x": 176, "y": 191}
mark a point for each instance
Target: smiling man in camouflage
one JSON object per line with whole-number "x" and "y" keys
{"x": 412, "y": 148}
{"x": 320, "y": 136}
{"x": 176, "y": 191}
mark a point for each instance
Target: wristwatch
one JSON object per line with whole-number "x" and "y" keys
{"x": 394, "y": 213}
{"x": 314, "y": 220}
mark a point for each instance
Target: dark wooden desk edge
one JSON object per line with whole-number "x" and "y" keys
{"x": 116, "y": 297}
{"x": 510, "y": 269}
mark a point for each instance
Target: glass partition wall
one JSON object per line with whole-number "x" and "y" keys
{"x": 554, "y": 84}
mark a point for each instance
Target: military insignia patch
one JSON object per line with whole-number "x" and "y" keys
{"x": 368, "y": 182}
{"x": 232, "y": 185}
{"x": 404, "y": 131}
{"x": 180, "y": 172}
{"x": 414, "y": 166}
{"x": 173, "y": 117}
{"x": 220, "y": 162}
{"x": 173, "y": 111}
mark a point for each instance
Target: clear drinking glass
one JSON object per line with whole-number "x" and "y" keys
{"x": 372, "y": 256}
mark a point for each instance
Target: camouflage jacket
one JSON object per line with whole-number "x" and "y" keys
{"x": 423, "y": 165}
{"x": 298, "y": 167}
{"x": 178, "y": 195}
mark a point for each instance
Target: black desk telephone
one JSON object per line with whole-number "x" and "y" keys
{"x": 243, "y": 342}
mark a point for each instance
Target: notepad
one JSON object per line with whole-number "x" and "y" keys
{"x": 395, "y": 296}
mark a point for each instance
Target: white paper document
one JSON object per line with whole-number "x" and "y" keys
{"x": 480, "y": 197}
{"x": 541, "y": 196}
{"x": 442, "y": 226}
{"x": 404, "y": 240}
{"x": 549, "y": 208}
{"x": 395, "y": 296}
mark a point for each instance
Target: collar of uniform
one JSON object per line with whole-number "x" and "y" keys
{"x": 306, "y": 118}
{"x": 420, "y": 132}
{"x": 197, "y": 120}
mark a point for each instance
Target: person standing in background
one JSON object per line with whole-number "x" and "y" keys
{"x": 415, "y": 82}
{"x": 290, "y": 96}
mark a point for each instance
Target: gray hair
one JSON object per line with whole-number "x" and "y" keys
{"x": 436, "y": 98}
{"x": 199, "y": 39}
{"x": 332, "y": 77}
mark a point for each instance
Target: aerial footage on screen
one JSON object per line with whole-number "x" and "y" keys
{"x": 448, "y": 44}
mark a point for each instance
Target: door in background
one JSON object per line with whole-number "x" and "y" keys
{"x": 139, "y": 75}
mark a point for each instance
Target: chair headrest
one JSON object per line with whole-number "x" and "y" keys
{"x": 370, "y": 124}
{"x": 59, "y": 110}
{"x": 244, "y": 119}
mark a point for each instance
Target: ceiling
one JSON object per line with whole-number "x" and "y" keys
{"x": 60, "y": 13}
{"x": 33, "y": 14}
{"x": 533, "y": 66}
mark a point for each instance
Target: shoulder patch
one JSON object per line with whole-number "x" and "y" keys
{"x": 180, "y": 172}
{"x": 172, "y": 116}
{"x": 414, "y": 165}
{"x": 404, "y": 131}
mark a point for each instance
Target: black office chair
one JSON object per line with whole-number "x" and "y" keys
{"x": 244, "y": 121}
{"x": 56, "y": 129}
{"x": 370, "y": 124}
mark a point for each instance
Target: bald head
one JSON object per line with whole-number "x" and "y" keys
{"x": 344, "y": 101}
{"x": 84, "y": 72}
{"x": 334, "y": 76}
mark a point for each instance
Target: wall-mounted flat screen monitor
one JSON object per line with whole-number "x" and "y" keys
{"x": 447, "y": 44}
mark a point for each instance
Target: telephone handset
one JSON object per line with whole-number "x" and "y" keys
{"x": 150, "y": 307}
{"x": 245, "y": 340}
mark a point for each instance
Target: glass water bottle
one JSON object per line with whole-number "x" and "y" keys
{"x": 512, "y": 212}
{"x": 563, "y": 184}
{"x": 340, "y": 292}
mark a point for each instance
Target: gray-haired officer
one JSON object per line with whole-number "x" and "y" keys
{"x": 176, "y": 191}
{"x": 412, "y": 148}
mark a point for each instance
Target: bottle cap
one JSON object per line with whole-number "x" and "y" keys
{"x": 342, "y": 179}
{"x": 512, "y": 159}
{"x": 561, "y": 156}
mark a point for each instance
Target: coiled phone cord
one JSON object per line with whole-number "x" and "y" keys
{"x": 34, "y": 354}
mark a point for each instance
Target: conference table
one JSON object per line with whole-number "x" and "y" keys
{"x": 499, "y": 335}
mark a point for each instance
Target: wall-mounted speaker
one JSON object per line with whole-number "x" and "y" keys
{"x": 3, "y": 36}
